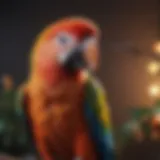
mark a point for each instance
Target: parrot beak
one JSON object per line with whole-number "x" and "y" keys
{"x": 74, "y": 61}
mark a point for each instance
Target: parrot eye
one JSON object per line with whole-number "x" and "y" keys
{"x": 66, "y": 39}
{"x": 63, "y": 39}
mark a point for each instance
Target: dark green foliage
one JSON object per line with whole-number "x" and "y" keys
{"x": 13, "y": 133}
{"x": 141, "y": 116}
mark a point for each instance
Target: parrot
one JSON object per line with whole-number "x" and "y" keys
{"x": 65, "y": 107}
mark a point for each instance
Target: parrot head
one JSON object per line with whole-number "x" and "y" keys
{"x": 65, "y": 48}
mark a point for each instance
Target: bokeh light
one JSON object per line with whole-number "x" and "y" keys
{"x": 154, "y": 90}
{"x": 153, "y": 67}
{"x": 156, "y": 118}
{"x": 157, "y": 47}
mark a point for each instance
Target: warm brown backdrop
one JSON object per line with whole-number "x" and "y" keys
{"x": 128, "y": 26}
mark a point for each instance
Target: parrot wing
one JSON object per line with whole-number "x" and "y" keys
{"x": 97, "y": 115}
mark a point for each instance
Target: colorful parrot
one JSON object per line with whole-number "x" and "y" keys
{"x": 66, "y": 111}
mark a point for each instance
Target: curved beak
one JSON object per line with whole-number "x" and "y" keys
{"x": 74, "y": 61}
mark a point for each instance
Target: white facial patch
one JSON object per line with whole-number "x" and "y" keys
{"x": 65, "y": 43}
{"x": 87, "y": 46}
{"x": 89, "y": 41}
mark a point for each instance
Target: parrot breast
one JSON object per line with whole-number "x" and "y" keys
{"x": 56, "y": 119}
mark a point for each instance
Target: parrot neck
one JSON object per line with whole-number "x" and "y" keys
{"x": 39, "y": 86}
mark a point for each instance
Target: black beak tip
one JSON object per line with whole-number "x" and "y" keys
{"x": 75, "y": 62}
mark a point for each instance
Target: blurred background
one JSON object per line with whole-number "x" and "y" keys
{"x": 130, "y": 61}
{"x": 129, "y": 30}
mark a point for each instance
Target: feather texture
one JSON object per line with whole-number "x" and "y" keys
{"x": 98, "y": 117}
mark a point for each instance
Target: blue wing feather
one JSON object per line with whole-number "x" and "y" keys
{"x": 101, "y": 136}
